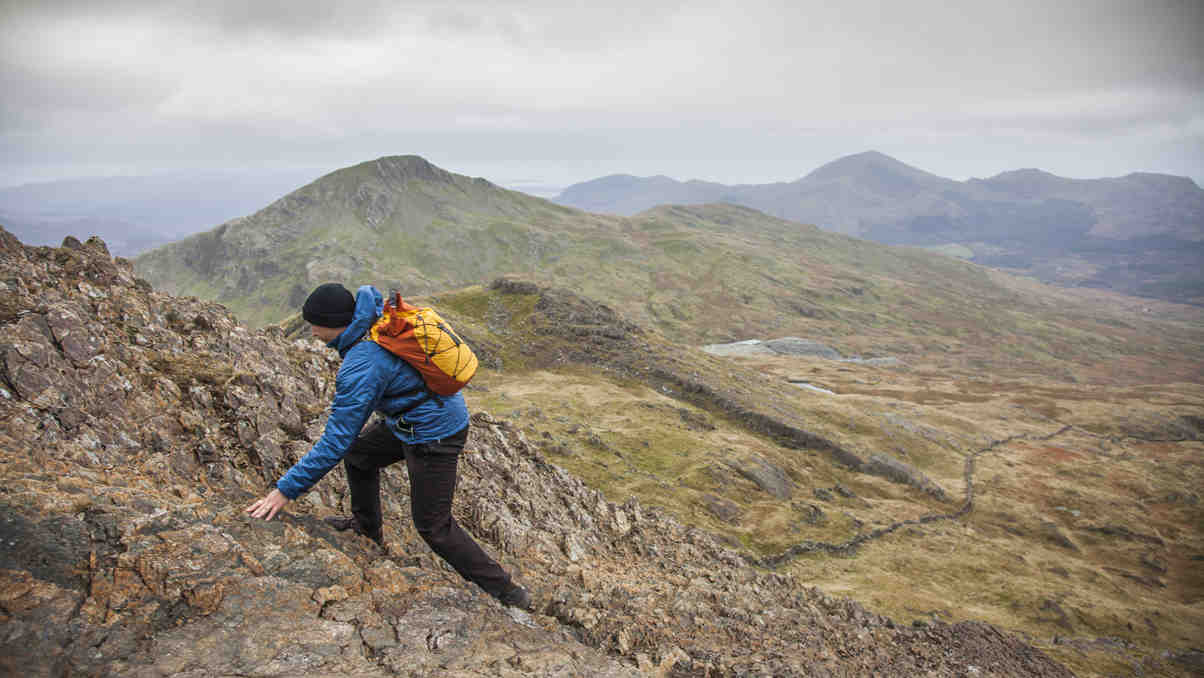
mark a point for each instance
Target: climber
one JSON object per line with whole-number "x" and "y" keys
{"x": 429, "y": 438}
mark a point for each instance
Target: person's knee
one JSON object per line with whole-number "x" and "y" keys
{"x": 434, "y": 532}
{"x": 356, "y": 464}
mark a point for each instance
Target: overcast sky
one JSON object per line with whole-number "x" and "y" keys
{"x": 554, "y": 92}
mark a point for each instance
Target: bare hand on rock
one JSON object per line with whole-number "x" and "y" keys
{"x": 267, "y": 507}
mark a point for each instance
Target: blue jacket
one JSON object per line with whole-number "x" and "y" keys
{"x": 372, "y": 379}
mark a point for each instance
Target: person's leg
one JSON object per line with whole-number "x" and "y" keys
{"x": 373, "y": 450}
{"x": 432, "y": 469}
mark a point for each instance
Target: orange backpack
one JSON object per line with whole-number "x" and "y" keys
{"x": 423, "y": 339}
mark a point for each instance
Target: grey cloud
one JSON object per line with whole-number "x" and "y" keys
{"x": 520, "y": 23}
{"x": 625, "y": 82}
{"x": 291, "y": 18}
{"x": 48, "y": 95}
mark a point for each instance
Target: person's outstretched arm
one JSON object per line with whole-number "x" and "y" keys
{"x": 358, "y": 388}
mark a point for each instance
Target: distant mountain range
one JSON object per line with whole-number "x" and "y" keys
{"x": 401, "y": 222}
{"x": 700, "y": 275}
{"x": 1140, "y": 234}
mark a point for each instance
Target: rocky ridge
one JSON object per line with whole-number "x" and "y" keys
{"x": 137, "y": 426}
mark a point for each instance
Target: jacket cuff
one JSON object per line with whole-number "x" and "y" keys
{"x": 288, "y": 491}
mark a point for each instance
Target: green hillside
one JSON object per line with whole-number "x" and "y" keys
{"x": 704, "y": 274}
{"x": 398, "y": 222}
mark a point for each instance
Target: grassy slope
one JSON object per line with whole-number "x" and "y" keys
{"x": 413, "y": 227}
{"x": 1082, "y": 533}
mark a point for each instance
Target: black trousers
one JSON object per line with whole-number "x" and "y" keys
{"x": 432, "y": 469}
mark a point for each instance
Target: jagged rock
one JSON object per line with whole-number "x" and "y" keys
{"x": 767, "y": 476}
{"x": 514, "y": 286}
{"x": 812, "y": 514}
{"x": 1053, "y": 612}
{"x": 1054, "y": 535}
{"x": 727, "y": 511}
{"x": 900, "y": 472}
{"x": 131, "y": 446}
{"x": 1191, "y": 659}
{"x": 1151, "y": 582}
{"x": 1154, "y": 562}
{"x": 1189, "y": 498}
{"x": 695, "y": 421}
{"x": 1122, "y": 532}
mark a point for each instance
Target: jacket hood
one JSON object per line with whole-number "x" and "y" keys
{"x": 369, "y": 304}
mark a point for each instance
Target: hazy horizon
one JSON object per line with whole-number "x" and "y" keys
{"x": 532, "y": 186}
{"x": 534, "y": 92}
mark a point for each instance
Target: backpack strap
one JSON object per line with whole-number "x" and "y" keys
{"x": 427, "y": 394}
{"x": 424, "y": 389}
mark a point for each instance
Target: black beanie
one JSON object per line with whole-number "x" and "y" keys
{"x": 331, "y": 305}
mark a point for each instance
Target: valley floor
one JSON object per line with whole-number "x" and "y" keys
{"x": 1068, "y": 513}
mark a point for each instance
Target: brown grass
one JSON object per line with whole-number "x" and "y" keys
{"x": 1001, "y": 563}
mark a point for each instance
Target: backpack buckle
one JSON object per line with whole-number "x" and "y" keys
{"x": 399, "y": 426}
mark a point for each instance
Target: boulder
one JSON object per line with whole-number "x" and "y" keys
{"x": 903, "y": 473}
{"x": 769, "y": 477}
{"x": 727, "y": 511}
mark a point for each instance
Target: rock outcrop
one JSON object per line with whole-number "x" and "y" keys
{"x": 767, "y": 476}
{"x": 901, "y": 472}
{"x": 138, "y": 425}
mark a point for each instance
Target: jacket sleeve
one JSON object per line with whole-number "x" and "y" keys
{"x": 358, "y": 388}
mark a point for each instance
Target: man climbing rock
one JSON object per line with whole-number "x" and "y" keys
{"x": 426, "y": 430}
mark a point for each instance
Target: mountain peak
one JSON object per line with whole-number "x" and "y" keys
{"x": 393, "y": 175}
{"x": 876, "y": 176}
{"x": 414, "y": 161}
{"x": 1024, "y": 174}
{"x": 1168, "y": 180}
{"x": 863, "y": 164}
{"x": 401, "y": 168}
{"x": 632, "y": 179}
{"x": 1027, "y": 183}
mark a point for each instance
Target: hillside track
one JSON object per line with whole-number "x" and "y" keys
{"x": 851, "y": 546}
